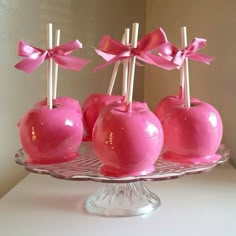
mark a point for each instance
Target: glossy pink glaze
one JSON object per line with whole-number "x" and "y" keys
{"x": 192, "y": 134}
{"x": 167, "y": 103}
{"x": 51, "y": 136}
{"x": 69, "y": 101}
{"x": 127, "y": 142}
{"x": 92, "y": 106}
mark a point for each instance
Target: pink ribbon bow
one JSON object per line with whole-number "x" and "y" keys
{"x": 112, "y": 50}
{"x": 34, "y": 57}
{"x": 170, "y": 52}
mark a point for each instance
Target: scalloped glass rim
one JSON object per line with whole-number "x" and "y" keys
{"x": 87, "y": 167}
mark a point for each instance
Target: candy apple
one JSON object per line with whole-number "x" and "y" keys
{"x": 51, "y": 135}
{"x": 168, "y": 103}
{"x": 192, "y": 134}
{"x": 127, "y": 141}
{"x": 92, "y": 107}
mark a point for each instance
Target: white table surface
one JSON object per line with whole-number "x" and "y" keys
{"x": 203, "y": 204}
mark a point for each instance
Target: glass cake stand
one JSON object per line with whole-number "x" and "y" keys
{"x": 126, "y": 196}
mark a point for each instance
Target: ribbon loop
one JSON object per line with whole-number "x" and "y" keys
{"x": 112, "y": 46}
{"x": 67, "y": 48}
{"x": 152, "y": 40}
{"x": 26, "y": 50}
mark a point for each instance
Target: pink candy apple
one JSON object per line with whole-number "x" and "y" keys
{"x": 192, "y": 134}
{"x": 92, "y": 107}
{"x": 167, "y": 103}
{"x": 51, "y": 136}
{"x": 128, "y": 142}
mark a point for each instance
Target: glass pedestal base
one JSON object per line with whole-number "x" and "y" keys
{"x": 123, "y": 199}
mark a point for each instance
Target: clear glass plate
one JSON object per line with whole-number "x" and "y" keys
{"x": 87, "y": 167}
{"x": 119, "y": 197}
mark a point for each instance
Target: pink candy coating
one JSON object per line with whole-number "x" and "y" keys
{"x": 128, "y": 142}
{"x": 167, "y": 103}
{"x": 192, "y": 134}
{"x": 92, "y": 106}
{"x": 69, "y": 101}
{"x": 51, "y": 136}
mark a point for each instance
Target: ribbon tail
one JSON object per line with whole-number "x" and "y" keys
{"x": 201, "y": 58}
{"x": 70, "y": 62}
{"x": 105, "y": 56}
{"x": 29, "y": 65}
{"x": 115, "y": 59}
{"x": 158, "y": 61}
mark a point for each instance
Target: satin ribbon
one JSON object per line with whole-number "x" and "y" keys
{"x": 34, "y": 57}
{"x": 177, "y": 56}
{"x": 112, "y": 50}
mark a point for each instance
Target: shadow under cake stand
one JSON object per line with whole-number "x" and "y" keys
{"x": 126, "y": 196}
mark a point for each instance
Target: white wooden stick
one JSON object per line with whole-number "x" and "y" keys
{"x": 114, "y": 73}
{"x": 125, "y": 66}
{"x": 113, "y": 77}
{"x": 185, "y": 70}
{"x": 181, "y": 83}
{"x": 49, "y": 67}
{"x": 134, "y": 42}
{"x": 181, "y": 79}
{"x": 55, "y": 76}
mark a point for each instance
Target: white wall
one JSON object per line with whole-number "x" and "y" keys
{"x": 214, "y": 20}
{"x": 87, "y": 20}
